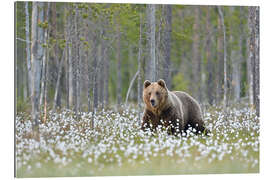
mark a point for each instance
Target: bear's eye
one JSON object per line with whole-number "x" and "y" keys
{"x": 157, "y": 93}
{"x": 149, "y": 93}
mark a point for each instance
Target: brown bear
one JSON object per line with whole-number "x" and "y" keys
{"x": 174, "y": 110}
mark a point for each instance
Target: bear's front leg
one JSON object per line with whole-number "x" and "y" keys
{"x": 146, "y": 121}
{"x": 174, "y": 124}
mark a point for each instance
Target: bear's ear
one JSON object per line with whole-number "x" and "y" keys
{"x": 146, "y": 84}
{"x": 162, "y": 83}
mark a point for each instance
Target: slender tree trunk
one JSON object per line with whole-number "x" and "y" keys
{"x": 28, "y": 48}
{"x": 67, "y": 69}
{"x": 46, "y": 86}
{"x": 219, "y": 61}
{"x": 37, "y": 55}
{"x": 251, "y": 49}
{"x": 196, "y": 54}
{"x": 139, "y": 93}
{"x": 160, "y": 44}
{"x": 167, "y": 52}
{"x": 102, "y": 73}
{"x": 106, "y": 79}
{"x": 225, "y": 56}
{"x": 95, "y": 70}
{"x": 119, "y": 74}
{"x": 70, "y": 65}
{"x": 209, "y": 59}
{"x": 59, "y": 74}
{"x": 44, "y": 63}
{"x": 235, "y": 60}
{"x": 76, "y": 63}
{"x": 89, "y": 82}
{"x": 257, "y": 61}
{"x": 152, "y": 40}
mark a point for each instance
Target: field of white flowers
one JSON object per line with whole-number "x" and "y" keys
{"x": 116, "y": 146}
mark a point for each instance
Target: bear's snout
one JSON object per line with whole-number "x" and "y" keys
{"x": 152, "y": 102}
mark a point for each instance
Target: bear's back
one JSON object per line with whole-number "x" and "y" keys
{"x": 191, "y": 107}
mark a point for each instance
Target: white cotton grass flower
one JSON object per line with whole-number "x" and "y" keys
{"x": 117, "y": 140}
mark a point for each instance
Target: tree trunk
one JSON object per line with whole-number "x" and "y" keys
{"x": 95, "y": 70}
{"x": 106, "y": 79}
{"x": 152, "y": 41}
{"x": 139, "y": 93}
{"x": 28, "y": 48}
{"x": 102, "y": 73}
{"x": 257, "y": 61}
{"x": 167, "y": 43}
{"x": 219, "y": 62}
{"x": 251, "y": 50}
{"x": 196, "y": 54}
{"x": 210, "y": 87}
{"x": 76, "y": 63}
{"x": 70, "y": 65}
{"x": 225, "y": 57}
{"x": 59, "y": 74}
{"x": 44, "y": 60}
{"x": 37, "y": 55}
{"x": 119, "y": 74}
{"x": 235, "y": 54}
{"x": 235, "y": 61}
{"x": 89, "y": 82}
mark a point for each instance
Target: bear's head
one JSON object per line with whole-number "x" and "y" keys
{"x": 155, "y": 94}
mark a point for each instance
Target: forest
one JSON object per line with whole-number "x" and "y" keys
{"x": 80, "y": 69}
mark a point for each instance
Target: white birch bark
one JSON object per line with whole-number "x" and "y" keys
{"x": 152, "y": 22}
{"x": 225, "y": 57}
{"x": 167, "y": 53}
{"x": 251, "y": 57}
{"x": 37, "y": 55}
{"x": 28, "y": 47}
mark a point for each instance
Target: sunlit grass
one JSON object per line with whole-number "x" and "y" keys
{"x": 69, "y": 147}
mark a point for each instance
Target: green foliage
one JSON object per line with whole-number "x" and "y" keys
{"x": 22, "y": 105}
{"x": 103, "y": 20}
{"x": 43, "y": 25}
{"x": 62, "y": 43}
{"x": 180, "y": 83}
{"x": 85, "y": 16}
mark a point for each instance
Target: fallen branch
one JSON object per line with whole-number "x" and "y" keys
{"x": 130, "y": 85}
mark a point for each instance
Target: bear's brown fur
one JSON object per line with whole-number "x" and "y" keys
{"x": 175, "y": 110}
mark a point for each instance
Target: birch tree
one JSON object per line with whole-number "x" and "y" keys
{"x": 119, "y": 74}
{"x": 209, "y": 58}
{"x": 196, "y": 54}
{"x": 139, "y": 93}
{"x": 236, "y": 58}
{"x": 167, "y": 51}
{"x": 220, "y": 62}
{"x": 45, "y": 58}
{"x": 95, "y": 70}
{"x": 221, "y": 16}
{"x": 254, "y": 58}
{"x": 28, "y": 48}
{"x": 251, "y": 56}
{"x": 257, "y": 61}
{"x": 151, "y": 8}
{"x": 36, "y": 56}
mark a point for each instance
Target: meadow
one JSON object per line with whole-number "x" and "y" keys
{"x": 68, "y": 146}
